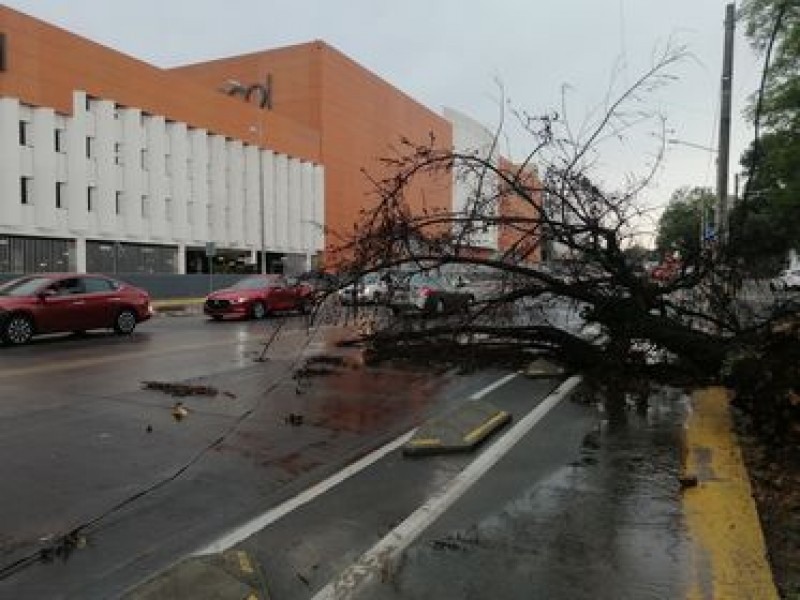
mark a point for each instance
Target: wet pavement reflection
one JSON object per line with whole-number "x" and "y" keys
{"x": 607, "y": 524}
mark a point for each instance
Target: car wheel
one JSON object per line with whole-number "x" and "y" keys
{"x": 304, "y": 308}
{"x": 259, "y": 311}
{"x": 18, "y": 330}
{"x": 125, "y": 322}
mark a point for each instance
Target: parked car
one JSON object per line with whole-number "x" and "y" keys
{"x": 428, "y": 294}
{"x": 372, "y": 288}
{"x": 788, "y": 280}
{"x": 319, "y": 281}
{"x": 53, "y": 303}
{"x": 257, "y": 296}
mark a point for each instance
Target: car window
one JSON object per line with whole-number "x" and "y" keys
{"x": 251, "y": 283}
{"x": 95, "y": 285}
{"x": 26, "y": 286}
{"x": 67, "y": 287}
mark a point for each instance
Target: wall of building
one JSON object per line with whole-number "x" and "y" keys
{"x": 117, "y": 163}
{"x": 475, "y": 190}
{"x": 528, "y": 244}
{"x": 360, "y": 117}
{"x": 46, "y": 64}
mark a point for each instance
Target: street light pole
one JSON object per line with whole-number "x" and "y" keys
{"x": 725, "y": 124}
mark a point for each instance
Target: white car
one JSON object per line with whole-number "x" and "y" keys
{"x": 788, "y": 280}
{"x": 370, "y": 289}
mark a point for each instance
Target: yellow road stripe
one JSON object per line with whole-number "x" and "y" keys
{"x": 488, "y": 425}
{"x": 729, "y": 556}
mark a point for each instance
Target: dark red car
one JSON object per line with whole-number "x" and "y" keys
{"x": 56, "y": 302}
{"x": 256, "y": 296}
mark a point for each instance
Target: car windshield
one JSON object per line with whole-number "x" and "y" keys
{"x": 427, "y": 281}
{"x": 23, "y": 287}
{"x": 254, "y": 283}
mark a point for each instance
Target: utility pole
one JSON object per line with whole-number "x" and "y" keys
{"x": 725, "y": 126}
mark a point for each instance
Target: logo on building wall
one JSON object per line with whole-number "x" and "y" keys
{"x": 261, "y": 93}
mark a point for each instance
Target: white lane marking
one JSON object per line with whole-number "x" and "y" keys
{"x": 381, "y": 558}
{"x": 492, "y": 387}
{"x": 254, "y": 526}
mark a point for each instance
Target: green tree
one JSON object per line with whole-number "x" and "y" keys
{"x": 679, "y": 225}
{"x": 767, "y": 222}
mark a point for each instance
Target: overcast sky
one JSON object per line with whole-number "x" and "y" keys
{"x": 452, "y": 53}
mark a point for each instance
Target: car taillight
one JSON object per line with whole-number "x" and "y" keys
{"x": 425, "y": 292}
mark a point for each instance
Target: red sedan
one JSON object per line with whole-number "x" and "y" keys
{"x": 257, "y": 296}
{"x": 51, "y": 303}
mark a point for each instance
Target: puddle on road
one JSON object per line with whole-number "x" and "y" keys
{"x": 359, "y": 403}
{"x": 606, "y": 525}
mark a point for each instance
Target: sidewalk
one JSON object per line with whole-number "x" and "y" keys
{"x": 729, "y": 558}
{"x": 178, "y": 306}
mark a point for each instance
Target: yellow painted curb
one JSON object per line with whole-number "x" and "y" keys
{"x": 426, "y": 442}
{"x": 488, "y": 426}
{"x": 729, "y": 558}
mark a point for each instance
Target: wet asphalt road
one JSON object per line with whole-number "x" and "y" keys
{"x": 575, "y": 510}
{"x": 80, "y": 437}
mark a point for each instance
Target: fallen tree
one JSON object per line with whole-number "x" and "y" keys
{"x": 694, "y": 327}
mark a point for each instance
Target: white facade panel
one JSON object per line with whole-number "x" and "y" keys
{"x": 77, "y": 166}
{"x": 123, "y": 175}
{"x": 319, "y": 207}
{"x": 155, "y": 158}
{"x": 269, "y": 218}
{"x": 10, "y": 205}
{"x": 130, "y": 153}
{"x": 179, "y": 177}
{"x": 44, "y": 170}
{"x": 294, "y": 214}
{"x": 198, "y": 186}
{"x": 103, "y": 155}
{"x": 253, "y": 186}
{"x": 281, "y": 202}
{"x": 219, "y": 190}
{"x": 236, "y": 206}
{"x": 469, "y": 136}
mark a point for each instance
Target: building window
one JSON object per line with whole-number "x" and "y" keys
{"x": 88, "y": 103}
{"x": 168, "y": 208}
{"x": 118, "y": 153}
{"x": 24, "y": 133}
{"x": 60, "y": 141}
{"x": 118, "y": 202}
{"x": 25, "y": 190}
{"x": 32, "y": 255}
{"x": 91, "y": 198}
{"x": 89, "y": 147}
{"x": 145, "y": 207}
{"x": 60, "y": 194}
{"x": 168, "y": 165}
{"x": 143, "y": 155}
